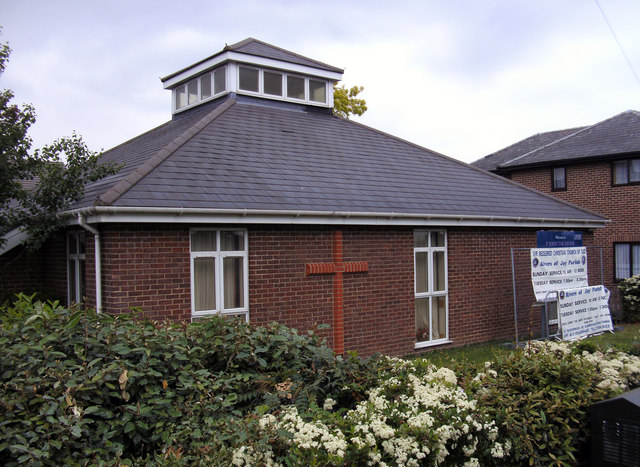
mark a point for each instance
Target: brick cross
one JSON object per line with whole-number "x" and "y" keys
{"x": 337, "y": 268}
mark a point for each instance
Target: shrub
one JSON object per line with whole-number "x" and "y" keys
{"x": 630, "y": 292}
{"x": 81, "y": 387}
{"x": 539, "y": 396}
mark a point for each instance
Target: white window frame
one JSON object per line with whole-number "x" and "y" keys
{"x": 283, "y": 97}
{"x": 76, "y": 258}
{"x": 219, "y": 256}
{"x": 430, "y": 293}
{"x": 199, "y": 99}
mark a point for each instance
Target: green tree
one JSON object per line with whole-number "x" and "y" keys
{"x": 346, "y": 102}
{"x": 36, "y": 185}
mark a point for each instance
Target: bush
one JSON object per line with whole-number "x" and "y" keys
{"x": 81, "y": 387}
{"x": 539, "y": 396}
{"x": 630, "y": 292}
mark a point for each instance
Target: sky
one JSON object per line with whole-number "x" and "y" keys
{"x": 461, "y": 77}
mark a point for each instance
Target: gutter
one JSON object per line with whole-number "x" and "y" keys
{"x": 185, "y": 215}
{"x": 98, "y": 265}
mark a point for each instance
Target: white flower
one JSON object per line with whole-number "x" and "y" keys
{"x": 329, "y": 404}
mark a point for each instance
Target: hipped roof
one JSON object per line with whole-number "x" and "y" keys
{"x": 245, "y": 154}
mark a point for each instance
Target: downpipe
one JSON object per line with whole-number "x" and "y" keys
{"x": 98, "y": 265}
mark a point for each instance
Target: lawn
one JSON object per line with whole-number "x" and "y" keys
{"x": 623, "y": 339}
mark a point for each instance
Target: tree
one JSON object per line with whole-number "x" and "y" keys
{"x": 36, "y": 185}
{"x": 346, "y": 103}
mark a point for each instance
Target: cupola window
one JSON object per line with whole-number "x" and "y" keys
{"x": 199, "y": 89}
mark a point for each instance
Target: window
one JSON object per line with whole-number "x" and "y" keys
{"x": 273, "y": 83}
{"x": 199, "y": 88}
{"x": 219, "y": 272}
{"x": 317, "y": 91}
{"x": 559, "y": 179}
{"x": 249, "y": 79}
{"x": 626, "y": 172}
{"x": 430, "y": 256}
{"x": 295, "y": 87}
{"x": 627, "y": 260}
{"x": 76, "y": 289}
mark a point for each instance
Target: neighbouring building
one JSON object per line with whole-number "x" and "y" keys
{"x": 254, "y": 200}
{"x": 596, "y": 167}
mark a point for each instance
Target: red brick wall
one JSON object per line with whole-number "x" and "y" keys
{"x": 148, "y": 267}
{"x": 43, "y": 271}
{"x": 144, "y": 267}
{"x": 589, "y": 185}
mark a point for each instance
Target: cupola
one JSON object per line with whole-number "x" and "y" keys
{"x": 253, "y": 68}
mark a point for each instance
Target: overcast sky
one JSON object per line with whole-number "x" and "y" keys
{"x": 464, "y": 78}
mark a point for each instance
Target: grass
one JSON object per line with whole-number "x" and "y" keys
{"x": 624, "y": 338}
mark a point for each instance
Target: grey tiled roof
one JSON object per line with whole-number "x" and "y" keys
{"x": 246, "y": 153}
{"x": 251, "y": 46}
{"x": 495, "y": 160}
{"x": 613, "y": 137}
{"x": 258, "y": 48}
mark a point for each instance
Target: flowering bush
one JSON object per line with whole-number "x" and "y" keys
{"x": 417, "y": 415}
{"x": 630, "y": 292}
{"x": 540, "y": 396}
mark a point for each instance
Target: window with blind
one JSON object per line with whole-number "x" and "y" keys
{"x": 627, "y": 260}
{"x": 219, "y": 272}
{"x": 430, "y": 256}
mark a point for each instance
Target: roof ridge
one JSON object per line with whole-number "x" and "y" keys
{"x": 583, "y": 129}
{"x": 544, "y": 146}
{"x": 541, "y": 133}
{"x": 150, "y": 164}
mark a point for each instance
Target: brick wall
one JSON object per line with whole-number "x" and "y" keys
{"x": 589, "y": 185}
{"x": 43, "y": 271}
{"x": 148, "y": 267}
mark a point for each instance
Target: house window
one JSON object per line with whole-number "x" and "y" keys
{"x": 273, "y": 83}
{"x": 626, "y": 172}
{"x": 317, "y": 91}
{"x": 249, "y": 79}
{"x": 219, "y": 272}
{"x": 559, "y": 179}
{"x": 627, "y": 260}
{"x": 199, "y": 88}
{"x": 430, "y": 256}
{"x": 295, "y": 87}
{"x": 76, "y": 289}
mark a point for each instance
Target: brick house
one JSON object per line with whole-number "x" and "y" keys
{"x": 256, "y": 201}
{"x": 596, "y": 167}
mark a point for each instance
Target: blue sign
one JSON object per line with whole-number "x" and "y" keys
{"x": 558, "y": 239}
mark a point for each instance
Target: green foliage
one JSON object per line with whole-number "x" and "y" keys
{"x": 540, "y": 401}
{"x": 630, "y": 292}
{"x": 346, "y": 102}
{"x": 81, "y": 387}
{"x": 58, "y": 171}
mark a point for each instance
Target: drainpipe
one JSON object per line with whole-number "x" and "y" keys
{"x": 96, "y": 238}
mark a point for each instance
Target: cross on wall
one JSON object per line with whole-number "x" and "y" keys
{"x": 337, "y": 268}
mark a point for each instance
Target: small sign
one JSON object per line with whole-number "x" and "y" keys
{"x": 554, "y": 269}
{"x": 584, "y": 311}
{"x": 558, "y": 239}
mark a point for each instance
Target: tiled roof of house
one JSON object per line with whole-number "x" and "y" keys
{"x": 495, "y": 160}
{"x": 613, "y": 137}
{"x": 246, "y": 153}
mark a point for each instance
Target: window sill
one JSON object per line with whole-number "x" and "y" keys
{"x": 422, "y": 345}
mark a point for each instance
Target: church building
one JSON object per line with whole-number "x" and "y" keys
{"x": 255, "y": 201}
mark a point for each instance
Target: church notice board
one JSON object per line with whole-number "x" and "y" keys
{"x": 584, "y": 311}
{"x": 554, "y": 269}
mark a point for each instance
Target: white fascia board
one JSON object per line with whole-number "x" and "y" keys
{"x": 231, "y": 56}
{"x": 12, "y": 240}
{"x": 203, "y": 216}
